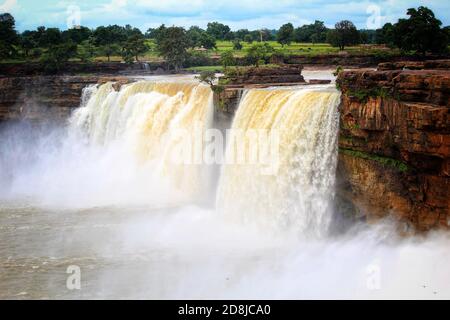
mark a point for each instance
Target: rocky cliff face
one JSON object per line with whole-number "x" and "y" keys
{"x": 77, "y": 68}
{"x": 264, "y": 75}
{"x": 349, "y": 60}
{"x": 44, "y": 98}
{"x": 395, "y": 145}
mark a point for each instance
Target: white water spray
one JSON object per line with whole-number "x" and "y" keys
{"x": 86, "y": 196}
{"x": 298, "y": 195}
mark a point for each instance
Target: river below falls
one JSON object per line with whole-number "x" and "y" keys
{"x": 69, "y": 205}
{"x": 190, "y": 253}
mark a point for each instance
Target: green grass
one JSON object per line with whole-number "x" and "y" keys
{"x": 205, "y": 68}
{"x": 305, "y": 49}
{"x": 385, "y": 161}
{"x": 294, "y": 48}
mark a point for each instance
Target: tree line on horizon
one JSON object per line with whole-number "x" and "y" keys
{"x": 421, "y": 33}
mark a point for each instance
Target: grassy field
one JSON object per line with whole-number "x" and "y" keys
{"x": 205, "y": 68}
{"x": 294, "y": 48}
{"x": 222, "y": 46}
{"x": 307, "y": 49}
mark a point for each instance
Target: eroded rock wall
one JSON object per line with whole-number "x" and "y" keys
{"x": 395, "y": 145}
{"x": 44, "y": 97}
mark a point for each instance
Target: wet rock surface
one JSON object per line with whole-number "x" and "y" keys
{"x": 44, "y": 97}
{"x": 395, "y": 145}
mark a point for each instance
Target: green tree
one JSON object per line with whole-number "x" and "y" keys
{"x": 133, "y": 47}
{"x": 194, "y": 34}
{"x": 208, "y": 77}
{"x": 57, "y": 55}
{"x": 421, "y": 32}
{"x": 150, "y": 33}
{"x": 447, "y": 31}
{"x": 237, "y": 44}
{"x": 109, "y": 50}
{"x": 259, "y": 53}
{"x": 129, "y": 31}
{"x": 172, "y": 43}
{"x": 77, "y": 35}
{"x": 207, "y": 41}
{"x": 109, "y": 39}
{"x": 265, "y": 35}
{"x": 240, "y": 34}
{"x": 28, "y": 42}
{"x": 49, "y": 37}
{"x": 227, "y": 59}
{"x": 248, "y": 38}
{"x": 368, "y": 36}
{"x": 385, "y": 35}
{"x": 86, "y": 50}
{"x": 344, "y": 34}
{"x": 8, "y": 36}
{"x": 306, "y": 32}
{"x": 218, "y": 30}
{"x": 285, "y": 34}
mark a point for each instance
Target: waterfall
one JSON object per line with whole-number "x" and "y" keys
{"x": 287, "y": 183}
{"x": 147, "y": 120}
{"x": 298, "y": 194}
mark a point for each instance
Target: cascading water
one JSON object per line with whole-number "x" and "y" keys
{"x": 298, "y": 192}
{"x": 104, "y": 195}
{"x": 141, "y": 120}
{"x": 149, "y": 120}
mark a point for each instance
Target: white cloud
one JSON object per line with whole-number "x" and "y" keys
{"x": 8, "y": 5}
{"x": 115, "y": 5}
{"x": 237, "y": 14}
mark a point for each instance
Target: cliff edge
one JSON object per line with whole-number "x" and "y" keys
{"x": 394, "y": 145}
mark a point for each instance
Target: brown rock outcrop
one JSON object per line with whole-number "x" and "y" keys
{"x": 415, "y": 65}
{"x": 265, "y": 75}
{"x": 77, "y": 68}
{"x": 44, "y": 97}
{"x": 350, "y": 60}
{"x": 395, "y": 145}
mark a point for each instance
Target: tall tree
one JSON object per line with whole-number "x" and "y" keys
{"x": 306, "y": 32}
{"x": 447, "y": 31}
{"x": 28, "y": 41}
{"x": 134, "y": 46}
{"x": 285, "y": 34}
{"x": 344, "y": 34}
{"x": 8, "y": 35}
{"x": 241, "y": 33}
{"x": 385, "y": 35}
{"x": 49, "y": 37}
{"x": 86, "y": 50}
{"x": 172, "y": 43}
{"x": 109, "y": 39}
{"x": 265, "y": 35}
{"x": 57, "y": 55}
{"x": 237, "y": 44}
{"x": 218, "y": 30}
{"x": 207, "y": 41}
{"x": 421, "y": 32}
{"x": 259, "y": 53}
{"x": 194, "y": 34}
{"x": 248, "y": 38}
{"x": 227, "y": 59}
{"x": 77, "y": 35}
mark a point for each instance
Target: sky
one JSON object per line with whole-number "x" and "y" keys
{"x": 249, "y": 14}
